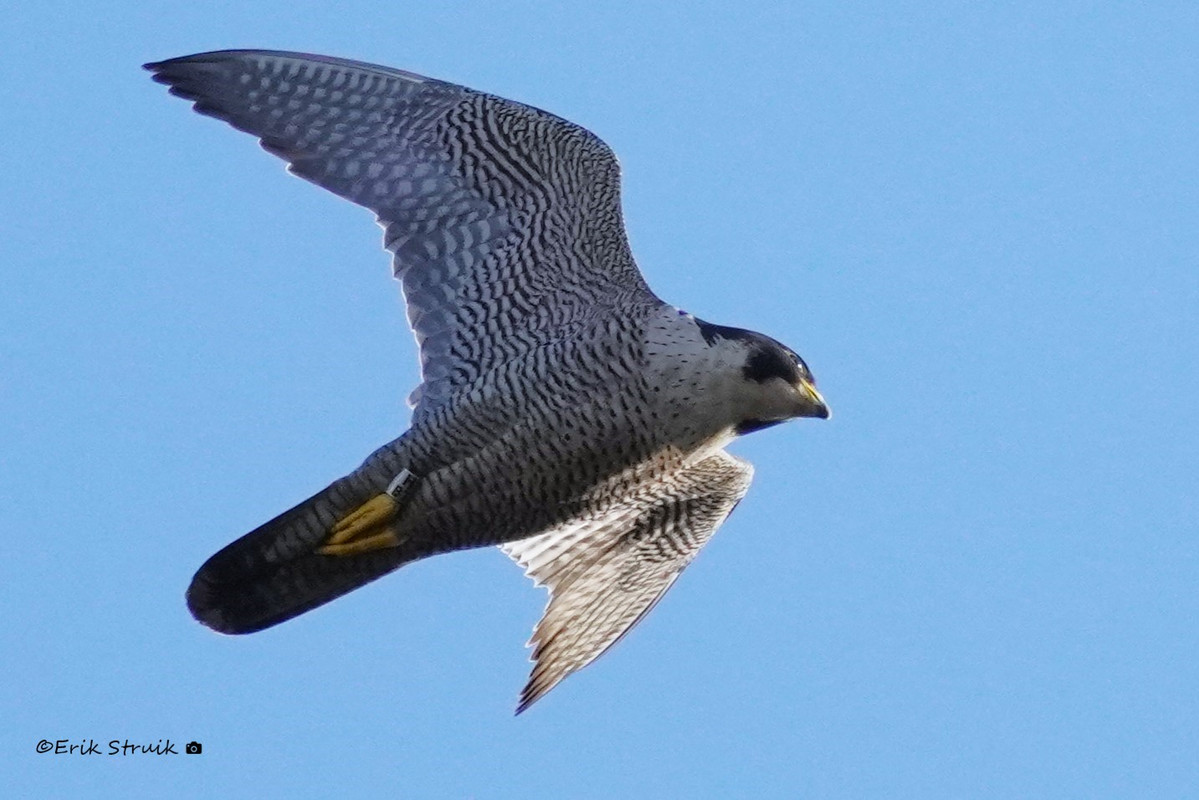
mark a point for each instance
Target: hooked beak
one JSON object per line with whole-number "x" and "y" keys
{"x": 811, "y": 403}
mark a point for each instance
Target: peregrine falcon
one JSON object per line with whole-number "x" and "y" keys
{"x": 564, "y": 413}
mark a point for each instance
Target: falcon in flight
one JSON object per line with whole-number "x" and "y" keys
{"x": 564, "y": 413}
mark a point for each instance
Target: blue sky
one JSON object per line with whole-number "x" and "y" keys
{"x": 976, "y": 222}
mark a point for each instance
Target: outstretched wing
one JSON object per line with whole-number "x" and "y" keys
{"x": 606, "y": 573}
{"x": 504, "y": 220}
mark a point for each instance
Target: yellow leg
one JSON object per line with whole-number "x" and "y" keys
{"x": 369, "y": 527}
{"x": 379, "y": 510}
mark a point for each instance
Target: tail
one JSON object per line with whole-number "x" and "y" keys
{"x": 277, "y": 571}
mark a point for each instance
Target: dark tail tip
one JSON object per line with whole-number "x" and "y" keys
{"x": 208, "y": 604}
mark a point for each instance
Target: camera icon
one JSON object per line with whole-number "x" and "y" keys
{"x": 193, "y": 748}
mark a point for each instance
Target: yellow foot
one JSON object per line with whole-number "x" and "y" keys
{"x": 369, "y": 527}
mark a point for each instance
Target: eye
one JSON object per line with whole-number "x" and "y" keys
{"x": 804, "y": 372}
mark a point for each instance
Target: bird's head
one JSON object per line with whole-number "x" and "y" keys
{"x": 779, "y": 386}
{"x": 772, "y": 385}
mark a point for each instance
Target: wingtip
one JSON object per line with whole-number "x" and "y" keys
{"x": 527, "y": 698}
{"x": 159, "y": 72}
{"x": 537, "y": 688}
{"x": 159, "y": 66}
